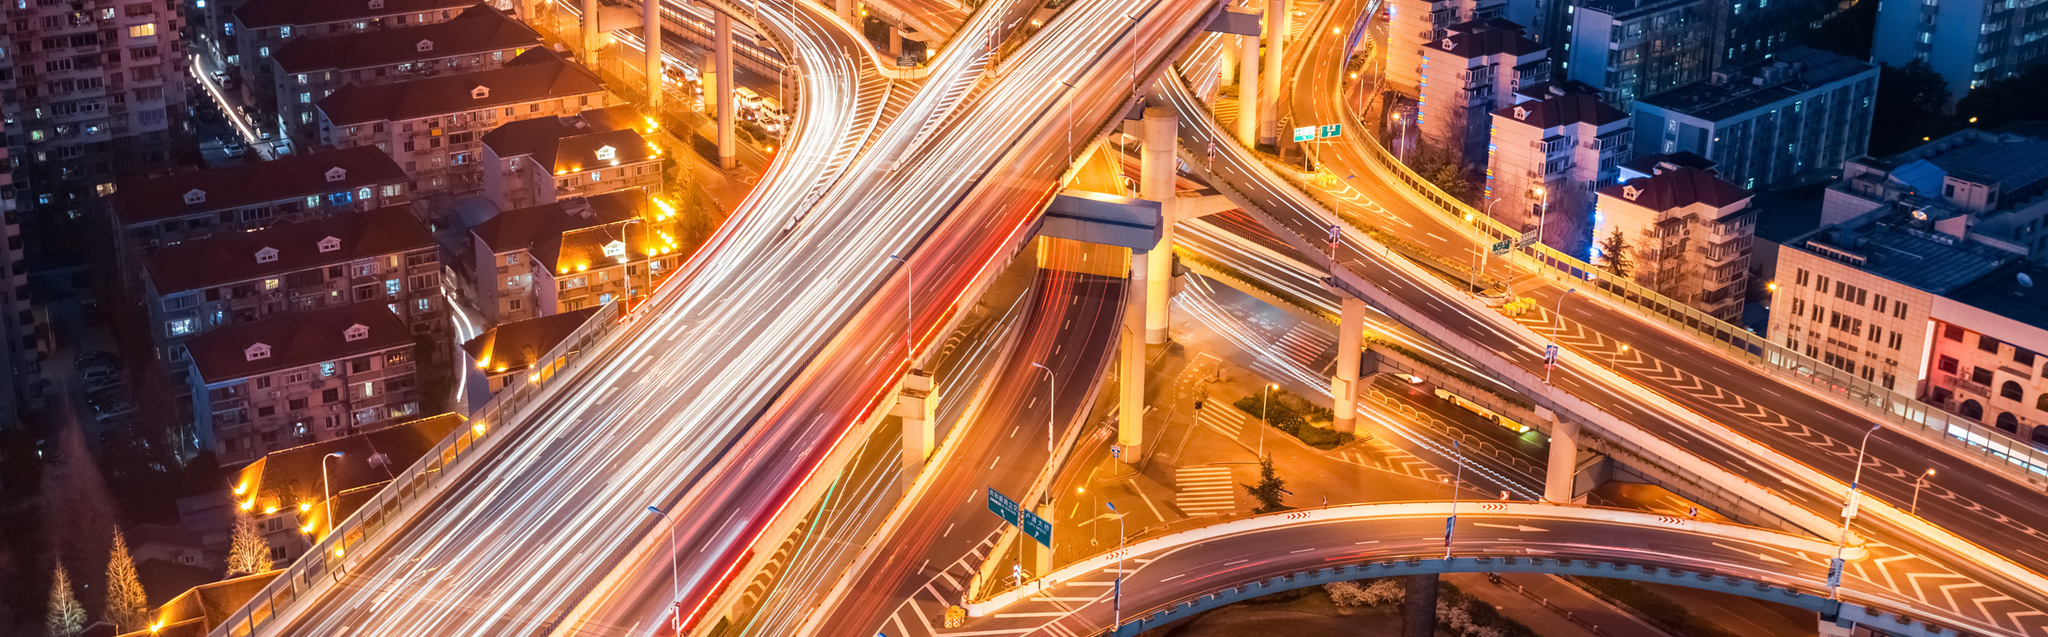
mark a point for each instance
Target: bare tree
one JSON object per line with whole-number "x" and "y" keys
{"x": 127, "y": 605}
{"x": 247, "y": 552}
{"x": 66, "y": 616}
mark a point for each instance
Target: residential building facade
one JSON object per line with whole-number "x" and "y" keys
{"x": 1686, "y": 233}
{"x": 164, "y": 210}
{"x": 1473, "y": 70}
{"x": 383, "y": 257}
{"x": 294, "y": 493}
{"x": 1631, "y": 49}
{"x": 433, "y": 126}
{"x": 1804, "y": 110}
{"x": 570, "y": 255}
{"x": 311, "y": 68}
{"x": 539, "y": 161}
{"x": 1967, "y": 42}
{"x": 300, "y": 378}
{"x": 1550, "y": 151}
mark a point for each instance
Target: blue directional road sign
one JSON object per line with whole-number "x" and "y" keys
{"x": 1549, "y": 360}
{"x": 1002, "y": 506}
{"x": 1036, "y": 527}
{"x": 1330, "y": 130}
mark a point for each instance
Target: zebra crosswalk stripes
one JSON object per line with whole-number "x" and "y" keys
{"x": 1205, "y": 490}
{"x": 1224, "y": 419}
{"x": 1306, "y": 346}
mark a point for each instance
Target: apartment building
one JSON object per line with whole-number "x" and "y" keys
{"x": 1687, "y": 234}
{"x": 383, "y": 257}
{"x": 1983, "y": 187}
{"x": 1801, "y": 111}
{"x": 569, "y": 255}
{"x": 1473, "y": 70}
{"x": 1909, "y": 304}
{"x": 539, "y": 161}
{"x": 18, "y": 325}
{"x": 506, "y": 351}
{"x": 164, "y": 210}
{"x": 480, "y": 38}
{"x": 255, "y": 30}
{"x": 1411, "y": 25}
{"x": 1968, "y": 42}
{"x": 1631, "y": 49}
{"x": 294, "y": 493}
{"x": 94, "y": 90}
{"x": 1551, "y": 150}
{"x": 433, "y": 126}
{"x": 300, "y": 378}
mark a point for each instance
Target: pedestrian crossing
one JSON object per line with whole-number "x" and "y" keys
{"x": 1308, "y": 347}
{"x": 1223, "y": 418}
{"x": 1205, "y": 490}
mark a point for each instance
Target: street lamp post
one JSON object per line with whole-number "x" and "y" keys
{"x": 1398, "y": 139}
{"x": 1264, "y": 424}
{"x": 1457, "y": 455}
{"x": 1849, "y": 510}
{"x": 674, "y": 580}
{"x": 1050, "y": 381}
{"x": 1619, "y": 354}
{"x": 1917, "y": 483}
{"x": 1117, "y": 593}
{"x": 1555, "y": 331}
{"x": 1542, "y": 211}
{"x": 909, "y": 314}
{"x": 327, "y": 494}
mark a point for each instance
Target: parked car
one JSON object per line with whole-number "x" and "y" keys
{"x": 103, "y": 384}
{"x": 115, "y": 412}
{"x": 100, "y": 373}
{"x": 234, "y": 149}
{"x": 108, "y": 396}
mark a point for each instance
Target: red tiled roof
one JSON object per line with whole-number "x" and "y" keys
{"x": 1488, "y": 40}
{"x": 1567, "y": 108}
{"x": 480, "y": 28}
{"x": 542, "y": 138}
{"x": 535, "y": 75}
{"x": 514, "y": 345}
{"x": 264, "y": 14}
{"x": 231, "y": 257}
{"x": 1678, "y": 187}
{"x": 151, "y": 200}
{"x": 539, "y": 229}
{"x": 295, "y": 340}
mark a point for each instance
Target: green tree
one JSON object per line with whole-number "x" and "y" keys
{"x": 1441, "y": 168}
{"x": 2018, "y": 98}
{"x": 1269, "y": 490}
{"x": 66, "y": 616}
{"x": 1911, "y": 104}
{"x": 1614, "y": 253}
{"x": 127, "y": 605}
{"x": 247, "y": 552}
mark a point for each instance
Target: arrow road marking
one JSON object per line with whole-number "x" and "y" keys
{"x": 1516, "y": 527}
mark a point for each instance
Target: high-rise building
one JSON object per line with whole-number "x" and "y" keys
{"x": 18, "y": 324}
{"x": 1801, "y": 111}
{"x": 1630, "y": 49}
{"x": 95, "y": 89}
{"x": 1968, "y": 42}
{"x": 1550, "y": 151}
{"x": 1467, "y": 74}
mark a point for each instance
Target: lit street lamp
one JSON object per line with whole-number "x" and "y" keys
{"x": 327, "y": 494}
{"x": 674, "y": 580}
{"x": 1917, "y": 483}
{"x": 1050, "y": 380}
{"x": 1263, "y": 422}
{"x": 1849, "y": 513}
{"x": 1542, "y": 211}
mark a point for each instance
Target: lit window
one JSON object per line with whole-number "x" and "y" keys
{"x": 327, "y": 369}
{"x": 144, "y": 30}
{"x": 180, "y": 327}
{"x": 391, "y": 287}
{"x": 263, "y": 52}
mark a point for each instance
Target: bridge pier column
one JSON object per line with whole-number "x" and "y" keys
{"x": 1344, "y": 386}
{"x": 895, "y": 41}
{"x": 845, "y": 10}
{"x": 1564, "y": 458}
{"x": 1269, "y": 93}
{"x": 918, "y": 408}
{"x": 728, "y": 144}
{"x": 1228, "y": 67}
{"x": 1418, "y": 607}
{"x": 650, "y": 30}
{"x": 1156, "y": 182}
{"x": 590, "y": 34}
{"x": 1248, "y": 90}
{"x": 1130, "y": 425}
{"x": 1836, "y": 628}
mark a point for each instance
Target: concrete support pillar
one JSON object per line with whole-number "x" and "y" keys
{"x": 895, "y": 42}
{"x": 1564, "y": 458}
{"x": 1130, "y": 426}
{"x": 590, "y": 33}
{"x": 650, "y": 29}
{"x": 1345, "y": 385}
{"x": 918, "y": 407}
{"x": 728, "y": 144}
{"x": 1156, "y": 182}
{"x": 1229, "y": 64}
{"x": 1248, "y": 90}
{"x": 845, "y": 10}
{"x": 1269, "y": 92}
{"x": 1418, "y": 608}
{"x": 1828, "y": 628}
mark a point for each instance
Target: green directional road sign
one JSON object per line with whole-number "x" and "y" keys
{"x": 1002, "y": 506}
{"x": 1036, "y": 527}
{"x": 1330, "y": 130}
{"x": 1305, "y": 133}
{"x": 1502, "y": 247}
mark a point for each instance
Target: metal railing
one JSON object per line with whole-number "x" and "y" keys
{"x": 427, "y": 477}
